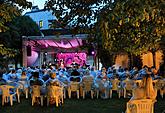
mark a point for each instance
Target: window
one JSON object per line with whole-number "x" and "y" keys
{"x": 40, "y": 23}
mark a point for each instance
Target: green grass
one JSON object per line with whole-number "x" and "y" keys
{"x": 88, "y": 105}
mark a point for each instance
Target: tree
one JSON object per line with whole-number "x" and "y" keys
{"x": 135, "y": 26}
{"x": 10, "y": 9}
{"x": 12, "y": 38}
{"x": 76, "y": 13}
{"x": 162, "y": 46}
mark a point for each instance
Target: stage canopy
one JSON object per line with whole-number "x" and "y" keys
{"x": 60, "y": 42}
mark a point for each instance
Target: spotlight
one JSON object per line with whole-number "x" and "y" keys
{"x": 92, "y": 52}
{"x": 46, "y": 53}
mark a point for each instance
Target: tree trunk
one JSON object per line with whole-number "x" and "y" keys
{"x": 130, "y": 56}
{"x": 16, "y": 62}
{"x": 164, "y": 57}
{"x": 154, "y": 58}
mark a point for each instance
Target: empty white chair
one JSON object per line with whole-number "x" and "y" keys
{"x": 74, "y": 87}
{"x": 140, "y": 106}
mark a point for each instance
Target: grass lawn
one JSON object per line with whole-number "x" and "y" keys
{"x": 88, "y": 105}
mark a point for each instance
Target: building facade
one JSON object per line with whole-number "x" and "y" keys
{"x": 42, "y": 17}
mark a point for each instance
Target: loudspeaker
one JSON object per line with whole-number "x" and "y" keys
{"x": 29, "y": 53}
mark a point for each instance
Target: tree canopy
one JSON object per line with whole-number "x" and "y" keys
{"x": 11, "y": 39}
{"x": 126, "y": 25}
{"x": 10, "y": 9}
{"x": 18, "y": 27}
{"x": 77, "y": 13}
{"x": 134, "y": 26}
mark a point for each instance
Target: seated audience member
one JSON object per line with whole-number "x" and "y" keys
{"x": 23, "y": 76}
{"x": 23, "y": 79}
{"x": 133, "y": 72}
{"x": 98, "y": 81}
{"x": 87, "y": 76}
{"x": 75, "y": 73}
{"x": 46, "y": 75}
{"x": 36, "y": 80}
{"x": 138, "y": 92}
{"x": 124, "y": 74}
{"x": 13, "y": 76}
{"x": 127, "y": 82}
{"x": 19, "y": 72}
{"x": 4, "y": 74}
{"x": 93, "y": 72}
{"x": 53, "y": 81}
{"x": 101, "y": 84}
{"x": 2, "y": 81}
{"x": 103, "y": 71}
{"x": 63, "y": 78}
{"x": 75, "y": 79}
{"x": 75, "y": 76}
{"x": 120, "y": 69}
{"x": 142, "y": 72}
{"x": 110, "y": 72}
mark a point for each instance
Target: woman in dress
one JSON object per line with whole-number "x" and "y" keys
{"x": 146, "y": 91}
{"x": 151, "y": 93}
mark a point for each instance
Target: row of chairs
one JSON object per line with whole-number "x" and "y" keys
{"x": 133, "y": 106}
{"x": 73, "y": 87}
{"x": 54, "y": 92}
{"x": 10, "y": 92}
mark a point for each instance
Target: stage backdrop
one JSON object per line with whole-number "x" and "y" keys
{"x": 68, "y": 58}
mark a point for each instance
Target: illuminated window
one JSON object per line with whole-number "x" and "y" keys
{"x": 40, "y": 23}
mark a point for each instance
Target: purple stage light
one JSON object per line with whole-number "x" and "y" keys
{"x": 93, "y": 52}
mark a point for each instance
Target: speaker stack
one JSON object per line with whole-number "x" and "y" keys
{"x": 29, "y": 52}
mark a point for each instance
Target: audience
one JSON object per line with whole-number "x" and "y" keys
{"x": 101, "y": 78}
{"x": 36, "y": 80}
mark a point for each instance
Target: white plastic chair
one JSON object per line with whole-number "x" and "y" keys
{"x": 74, "y": 87}
{"x": 57, "y": 93}
{"x": 128, "y": 86}
{"x": 87, "y": 87}
{"x": 36, "y": 93}
{"x": 17, "y": 86}
{"x": 140, "y": 106}
{"x": 24, "y": 87}
{"x": 6, "y": 93}
{"x": 161, "y": 85}
{"x": 115, "y": 87}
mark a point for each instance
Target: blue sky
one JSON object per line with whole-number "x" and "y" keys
{"x": 40, "y": 4}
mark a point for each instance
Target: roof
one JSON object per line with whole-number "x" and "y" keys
{"x": 40, "y": 10}
{"x": 54, "y": 41}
